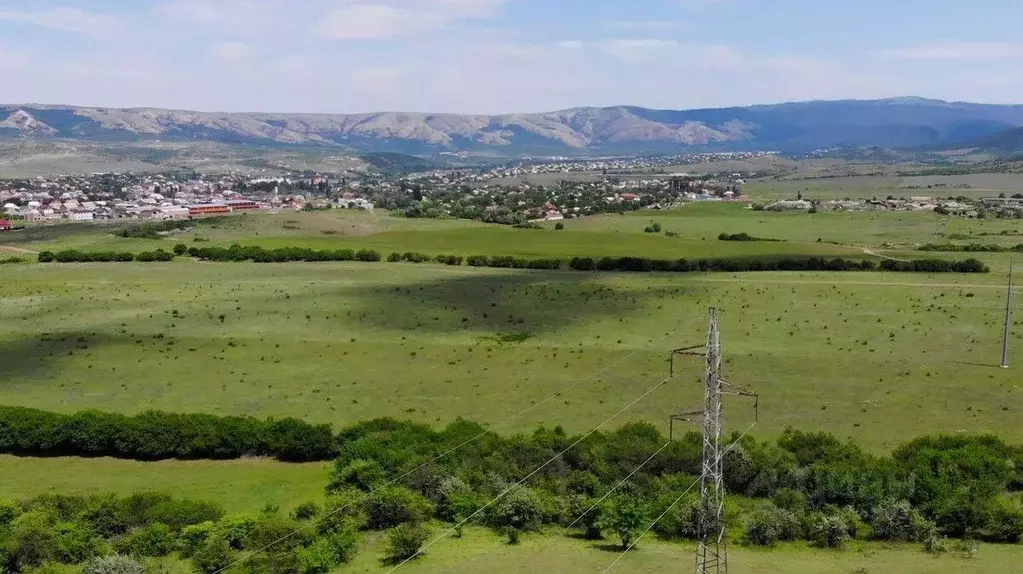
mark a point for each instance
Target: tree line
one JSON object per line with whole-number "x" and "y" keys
{"x": 742, "y": 237}
{"x": 75, "y": 256}
{"x": 971, "y": 248}
{"x": 258, "y": 254}
{"x": 399, "y": 477}
{"x": 155, "y": 435}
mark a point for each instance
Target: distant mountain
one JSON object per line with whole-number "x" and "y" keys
{"x": 898, "y": 122}
{"x": 1007, "y": 142}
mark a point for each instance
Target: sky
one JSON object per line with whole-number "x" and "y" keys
{"x": 503, "y": 56}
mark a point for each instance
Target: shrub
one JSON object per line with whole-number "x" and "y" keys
{"x": 769, "y": 524}
{"x": 827, "y": 530}
{"x": 76, "y": 542}
{"x": 194, "y": 536}
{"x": 520, "y": 509}
{"x": 405, "y": 541}
{"x": 9, "y": 510}
{"x": 180, "y": 249}
{"x": 559, "y": 226}
{"x": 367, "y": 255}
{"x": 114, "y": 564}
{"x": 31, "y": 541}
{"x": 305, "y": 511}
{"x": 212, "y": 556}
{"x": 394, "y": 257}
{"x": 45, "y": 256}
{"x": 154, "y": 539}
{"x": 898, "y": 520}
{"x": 390, "y": 506}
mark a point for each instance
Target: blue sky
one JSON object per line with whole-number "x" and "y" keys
{"x": 490, "y": 56}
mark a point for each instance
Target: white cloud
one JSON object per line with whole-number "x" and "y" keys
{"x": 958, "y": 51}
{"x": 231, "y": 52}
{"x": 378, "y": 20}
{"x": 66, "y": 19}
{"x": 671, "y": 52}
{"x": 569, "y": 44}
{"x": 252, "y": 15}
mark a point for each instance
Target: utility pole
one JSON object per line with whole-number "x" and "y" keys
{"x": 1008, "y": 317}
{"x": 712, "y": 553}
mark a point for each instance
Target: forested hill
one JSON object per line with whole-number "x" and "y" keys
{"x": 898, "y": 122}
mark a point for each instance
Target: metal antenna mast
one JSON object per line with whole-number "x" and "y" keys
{"x": 712, "y": 554}
{"x": 1008, "y": 316}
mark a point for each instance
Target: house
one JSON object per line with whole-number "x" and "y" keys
{"x": 554, "y": 215}
{"x": 6, "y": 225}
{"x": 79, "y": 215}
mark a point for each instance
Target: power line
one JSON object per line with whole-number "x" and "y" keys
{"x": 532, "y": 474}
{"x": 677, "y": 500}
{"x": 535, "y": 405}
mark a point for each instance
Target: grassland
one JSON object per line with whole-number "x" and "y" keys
{"x": 239, "y": 485}
{"x": 877, "y": 358}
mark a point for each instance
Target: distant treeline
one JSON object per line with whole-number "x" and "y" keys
{"x": 935, "y": 266}
{"x": 152, "y": 230}
{"x": 75, "y": 256}
{"x": 281, "y": 255}
{"x": 625, "y": 264}
{"x": 742, "y": 237}
{"x": 971, "y": 248}
{"x": 157, "y": 435}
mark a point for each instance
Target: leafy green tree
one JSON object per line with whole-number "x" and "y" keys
{"x": 156, "y": 539}
{"x": 625, "y": 515}
{"x": 194, "y": 536}
{"x": 76, "y": 542}
{"x": 9, "y": 510}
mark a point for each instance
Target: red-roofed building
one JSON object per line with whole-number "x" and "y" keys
{"x": 6, "y": 225}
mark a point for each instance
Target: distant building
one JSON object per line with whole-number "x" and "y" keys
{"x": 208, "y": 209}
{"x": 1003, "y": 202}
{"x": 242, "y": 204}
{"x": 554, "y": 215}
{"x": 6, "y": 225}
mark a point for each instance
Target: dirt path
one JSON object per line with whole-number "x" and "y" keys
{"x": 868, "y": 251}
{"x": 13, "y": 249}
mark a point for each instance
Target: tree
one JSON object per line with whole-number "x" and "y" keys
{"x": 31, "y": 541}
{"x": 520, "y": 509}
{"x": 405, "y": 541}
{"x": 624, "y": 515}
{"x": 559, "y": 226}
{"x": 180, "y": 249}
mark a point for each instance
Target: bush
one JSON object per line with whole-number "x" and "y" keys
{"x": 520, "y": 509}
{"x": 115, "y": 564}
{"x": 367, "y": 255}
{"x": 180, "y": 249}
{"x": 30, "y": 541}
{"x": 45, "y": 256}
{"x": 212, "y": 556}
{"x": 390, "y": 506}
{"x": 898, "y": 520}
{"x": 154, "y": 540}
{"x": 305, "y": 511}
{"x": 405, "y": 541}
{"x": 9, "y": 510}
{"x": 770, "y": 524}
{"x": 76, "y": 542}
{"x": 194, "y": 537}
{"x": 559, "y": 226}
{"x": 327, "y": 553}
{"x": 827, "y": 530}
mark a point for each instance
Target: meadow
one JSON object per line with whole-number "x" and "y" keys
{"x": 848, "y": 353}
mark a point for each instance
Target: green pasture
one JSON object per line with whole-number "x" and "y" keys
{"x": 243, "y": 485}
{"x": 341, "y": 342}
{"x": 841, "y": 182}
{"x": 482, "y": 551}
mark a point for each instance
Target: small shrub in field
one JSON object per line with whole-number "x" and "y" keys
{"x": 305, "y": 511}
{"x": 405, "y": 540}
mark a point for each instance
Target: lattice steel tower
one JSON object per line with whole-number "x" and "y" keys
{"x": 712, "y": 554}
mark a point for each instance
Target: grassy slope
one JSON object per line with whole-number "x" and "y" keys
{"x": 240, "y": 485}
{"x": 344, "y": 342}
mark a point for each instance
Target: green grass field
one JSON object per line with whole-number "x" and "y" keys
{"x": 244, "y": 485}
{"x": 874, "y": 357}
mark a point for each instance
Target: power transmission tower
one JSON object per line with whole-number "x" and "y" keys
{"x": 712, "y": 554}
{"x": 1008, "y": 316}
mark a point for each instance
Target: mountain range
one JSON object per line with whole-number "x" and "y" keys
{"x": 891, "y": 123}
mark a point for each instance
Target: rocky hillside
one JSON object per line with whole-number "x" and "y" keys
{"x": 900, "y": 122}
